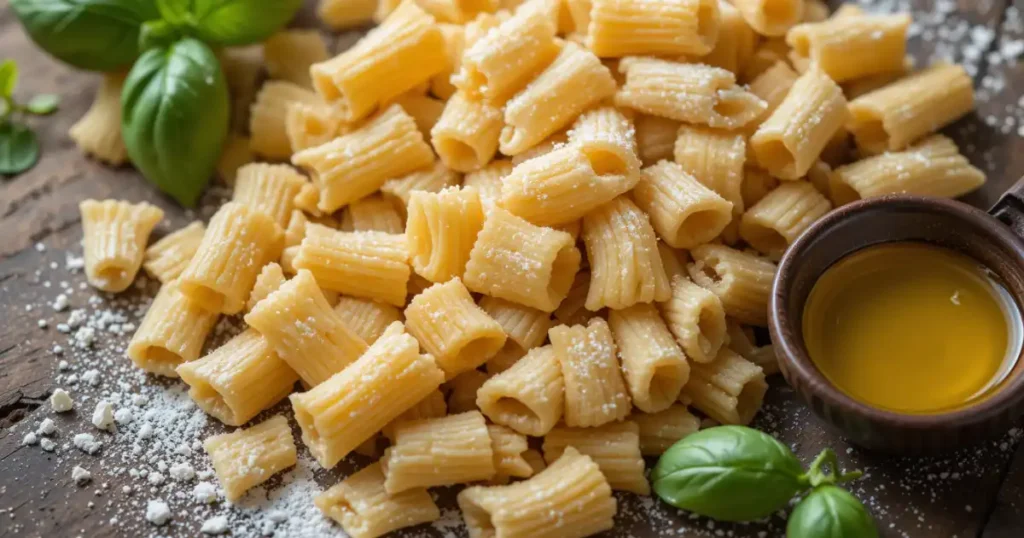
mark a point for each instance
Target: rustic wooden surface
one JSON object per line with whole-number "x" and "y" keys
{"x": 977, "y": 492}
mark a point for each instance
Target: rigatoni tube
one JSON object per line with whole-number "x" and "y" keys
{"x": 568, "y": 499}
{"x": 341, "y": 413}
{"x": 441, "y": 230}
{"x": 661, "y": 430}
{"x": 374, "y": 265}
{"x": 625, "y": 266}
{"x": 466, "y": 135}
{"x": 696, "y": 318}
{"x": 792, "y": 138}
{"x": 366, "y": 317}
{"x": 438, "y": 452}
{"x": 742, "y": 281}
{"x": 355, "y": 165}
{"x": 775, "y": 221}
{"x": 932, "y": 167}
{"x": 364, "y": 509}
{"x": 405, "y": 50}
{"x": 239, "y": 379}
{"x": 684, "y": 212}
{"x": 172, "y": 332}
{"x": 246, "y": 458}
{"x": 167, "y": 258}
{"x": 114, "y": 235}
{"x": 528, "y": 397}
{"x": 615, "y": 448}
{"x": 654, "y": 367}
{"x": 595, "y": 392}
{"x": 521, "y": 262}
{"x": 304, "y": 331}
{"x": 894, "y": 116}
{"x": 729, "y": 389}
{"x": 238, "y": 243}
{"x": 849, "y": 48}
{"x": 450, "y": 326}
{"x": 656, "y": 28}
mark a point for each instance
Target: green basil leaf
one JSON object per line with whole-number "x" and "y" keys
{"x": 831, "y": 512}
{"x": 240, "y": 22}
{"x": 175, "y": 117}
{"x": 729, "y": 473}
{"x": 42, "y": 104}
{"x": 19, "y": 149}
{"x": 8, "y": 78}
{"x": 98, "y": 35}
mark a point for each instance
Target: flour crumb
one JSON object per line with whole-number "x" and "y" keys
{"x": 63, "y": 366}
{"x": 155, "y": 479}
{"x": 47, "y": 427}
{"x": 215, "y": 525}
{"x": 29, "y": 439}
{"x": 86, "y": 443}
{"x": 60, "y": 304}
{"x": 157, "y": 512}
{"x": 80, "y": 476}
{"x": 47, "y": 445}
{"x": 205, "y": 492}
{"x": 182, "y": 472}
{"x": 123, "y": 415}
{"x": 60, "y": 401}
{"x": 92, "y": 377}
{"x": 103, "y": 416}
{"x": 146, "y": 431}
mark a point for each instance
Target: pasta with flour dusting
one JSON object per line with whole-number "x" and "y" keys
{"x": 364, "y": 508}
{"x": 595, "y": 392}
{"x": 114, "y": 235}
{"x": 247, "y": 458}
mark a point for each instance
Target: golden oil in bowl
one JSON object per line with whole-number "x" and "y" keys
{"x": 912, "y": 328}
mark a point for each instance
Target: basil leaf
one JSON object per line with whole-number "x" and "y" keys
{"x": 98, "y": 35}
{"x": 175, "y": 117}
{"x": 8, "y": 78}
{"x": 42, "y": 104}
{"x": 729, "y": 473}
{"x": 833, "y": 512}
{"x": 19, "y": 149}
{"x": 233, "y": 22}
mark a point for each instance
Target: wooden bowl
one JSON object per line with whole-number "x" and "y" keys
{"x": 945, "y": 223}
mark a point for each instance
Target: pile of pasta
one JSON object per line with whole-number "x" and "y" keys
{"x": 520, "y": 246}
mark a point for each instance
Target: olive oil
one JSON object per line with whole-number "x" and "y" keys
{"x": 912, "y": 328}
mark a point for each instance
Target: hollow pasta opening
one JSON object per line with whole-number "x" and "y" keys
{"x": 665, "y": 384}
{"x": 765, "y": 239}
{"x": 700, "y": 227}
{"x": 871, "y": 135}
{"x": 161, "y": 360}
{"x": 478, "y": 519}
{"x": 309, "y": 431}
{"x": 749, "y": 399}
{"x": 476, "y": 349}
{"x": 710, "y": 332}
{"x": 800, "y": 42}
{"x": 781, "y": 12}
{"x": 514, "y": 411}
{"x": 459, "y": 155}
{"x": 605, "y": 161}
{"x": 211, "y": 401}
{"x": 208, "y": 298}
{"x": 707, "y": 22}
{"x": 324, "y": 85}
{"x": 563, "y": 272}
{"x": 774, "y": 155}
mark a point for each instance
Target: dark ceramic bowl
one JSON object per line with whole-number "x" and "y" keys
{"x": 861, "y": 224}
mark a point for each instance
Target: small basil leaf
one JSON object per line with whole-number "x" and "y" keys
{"x": 8, "y": 78}
{"x": 175, "y": 117}
{"x": 43, "y": 104}
{"x": 833, "y": 512}
{"x": 240, "y": 22}
{"x": 98, "y": 35}
{"x": 729, "y": 473}
{"x": 19, "y": 149}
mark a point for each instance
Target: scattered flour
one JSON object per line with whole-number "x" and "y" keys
{"x": 215, "y": 525}
{"x": 103, "y": 416}
{"x": 60, "y": 401}
{"x": 157, "y": 512}
{"x": 80, "y": 476}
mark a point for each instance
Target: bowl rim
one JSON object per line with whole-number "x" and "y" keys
{"x": 799, "y": 363}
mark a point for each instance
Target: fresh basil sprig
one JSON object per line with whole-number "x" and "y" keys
{"x": 19, "y": 149}
{"x": 830, "y": 511}
{"x": 175, "y": 117}
{"x": 229, "y": 22}
{"x": 735, "y": 473}
{"x": 175, "y": 101}
{"x": 97, "y": 35}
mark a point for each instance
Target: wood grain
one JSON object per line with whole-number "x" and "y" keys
{"x": 955, "y": 496}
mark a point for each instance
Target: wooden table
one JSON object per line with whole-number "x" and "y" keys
{"x": 977, "y": 492}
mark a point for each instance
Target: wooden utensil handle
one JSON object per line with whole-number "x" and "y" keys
{"x": 1010, "y": 208}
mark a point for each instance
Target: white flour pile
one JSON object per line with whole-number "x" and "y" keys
{"x": 110, "y": 423}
